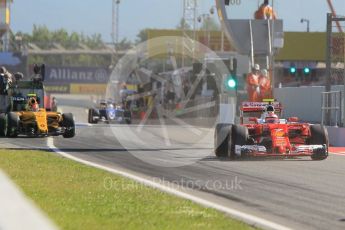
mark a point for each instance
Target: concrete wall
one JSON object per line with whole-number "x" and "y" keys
{"x": 303, "y": 102}
{"x": 336, "y": 136}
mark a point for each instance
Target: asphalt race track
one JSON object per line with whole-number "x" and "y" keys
{"x": 296, "y": 193}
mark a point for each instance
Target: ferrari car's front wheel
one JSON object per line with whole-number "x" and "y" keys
{"x": 68, "y": 124}
{"x": 240, "y": 136}
{"x": 222, "y": 140}
{"x": 319, "y": 136}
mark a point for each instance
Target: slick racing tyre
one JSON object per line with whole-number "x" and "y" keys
{"x": 90, "y": 116}
{"x": 3, "y": 125}
{"x": 12, "y": 124}
{"x": 240, "y": 136}
{"x": 222, "y": 140}
{"x": 128, "y": 117}
{"x": 68, "y": 124}
{"x": 319, "y": 136}
{"x": 128, "y": 121}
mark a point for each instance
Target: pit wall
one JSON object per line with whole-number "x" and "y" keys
{"x": 303, "y": 102}
{"x": 336, "y": 136}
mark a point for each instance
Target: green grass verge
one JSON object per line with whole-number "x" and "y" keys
{"x": 76, "y": 196}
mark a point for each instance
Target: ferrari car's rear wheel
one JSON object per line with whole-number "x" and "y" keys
{"x": 12, "y": 124}
{"x": 222, "y": 140}
{"x": 240, "y": 136}
{"x": 319, "y": 136}
{"x": 3, "y": 125}
{"x": 68, "y": 124}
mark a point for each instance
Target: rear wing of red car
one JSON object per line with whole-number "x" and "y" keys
{"x": 255, "y": 109}
{"x": 249, "y": 107}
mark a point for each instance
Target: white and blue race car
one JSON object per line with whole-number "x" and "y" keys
{"x": 107, "y": 112}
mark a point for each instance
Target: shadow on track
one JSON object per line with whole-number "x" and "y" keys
{"x": 263, "y": 159}
{"x": 104, "y": 149}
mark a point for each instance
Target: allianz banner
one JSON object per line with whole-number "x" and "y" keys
{"x": 76, "y": 75}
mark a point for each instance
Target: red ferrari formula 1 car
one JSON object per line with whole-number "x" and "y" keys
{"x": 262, "y": 133}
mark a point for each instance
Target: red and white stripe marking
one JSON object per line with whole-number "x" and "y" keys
{"x": 340, "y": 151}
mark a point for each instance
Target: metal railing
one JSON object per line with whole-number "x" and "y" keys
{"x": 335, "y": 59}
{"x": 331, "y": 108}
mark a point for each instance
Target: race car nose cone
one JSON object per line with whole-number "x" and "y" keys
{"x": 282, "y": 149}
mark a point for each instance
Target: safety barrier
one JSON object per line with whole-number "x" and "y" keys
{"x": 331, "y": 108}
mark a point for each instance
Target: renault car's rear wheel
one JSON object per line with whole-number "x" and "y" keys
{"x": 12, "y": 124}
{"x": 3, "y": 125}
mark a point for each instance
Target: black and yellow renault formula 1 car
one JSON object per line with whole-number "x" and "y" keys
{"x": 40, "y": 122}
{"x": 27, "y": 115}
{"x": 37, "y": 123}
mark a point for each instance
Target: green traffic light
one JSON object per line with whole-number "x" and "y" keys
{"x": 293, "y": 70}
{"x": 306, "y": 70}
{"x": 231, "y": 83}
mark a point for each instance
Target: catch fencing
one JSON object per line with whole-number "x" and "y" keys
{"x": 335, "y": 69}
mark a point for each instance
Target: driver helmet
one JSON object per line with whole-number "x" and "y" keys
{"x": 110, "y": 106}
{"x": 270, "y": 108}
{"x": 270, "y": 116}
{"x": 103, "y": 105}
{"x": 33, "y": 105}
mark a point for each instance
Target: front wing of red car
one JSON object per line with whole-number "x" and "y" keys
{"x": 259, "y": 150}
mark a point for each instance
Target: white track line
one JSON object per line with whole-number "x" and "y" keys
{"x": 250, "y": 219}
{"x": 338, "y": 154}
{"x": 83, "y": 124}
